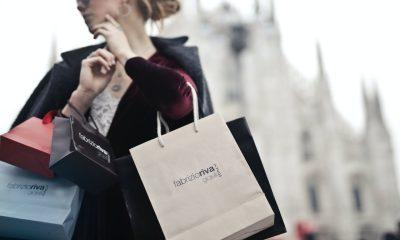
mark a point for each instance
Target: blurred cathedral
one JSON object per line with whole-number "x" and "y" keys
{"x": 324, "y": 174}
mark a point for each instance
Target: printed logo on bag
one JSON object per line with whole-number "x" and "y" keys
{"x": 205, "y": 175}
{"x": 29, "y": 189}
{"x": 102, "y": 153}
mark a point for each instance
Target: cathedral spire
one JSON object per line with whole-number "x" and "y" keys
{"x": 376, "y": 101}
{"x": 372, "y": 102}
{"x": 321, "y": 65}
{"x": 257, "y": 8}
{"x": 323, "y": 86}
{"x": 322, "y": 76}
{"x": 365, "y": 96}
{"x": 272, "y": 11}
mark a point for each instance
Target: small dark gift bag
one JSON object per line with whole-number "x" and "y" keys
{"x": 81, "y": 154}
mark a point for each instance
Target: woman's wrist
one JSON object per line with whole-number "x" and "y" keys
{"x": 82, "y": 100}
{"x": 87, "y": 95}
{"x": 125, "y": 56}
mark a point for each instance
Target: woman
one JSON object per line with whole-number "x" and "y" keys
{"x": 121, "y": 83}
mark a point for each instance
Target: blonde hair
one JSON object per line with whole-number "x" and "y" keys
{"x": 157, "y": 10}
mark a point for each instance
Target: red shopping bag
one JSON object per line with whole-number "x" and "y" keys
{"x": 28, "y": 145}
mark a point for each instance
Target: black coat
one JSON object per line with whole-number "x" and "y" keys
{"x": 60, "y": 81}
{"x": 104, "y": 216}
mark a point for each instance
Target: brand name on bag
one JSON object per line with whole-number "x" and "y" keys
{"x": 93, "y": 144}
{"x": 31, "y": 189}
{"x": 205, "y": 175}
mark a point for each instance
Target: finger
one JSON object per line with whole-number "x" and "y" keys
{"x": 98, "y": 60}
{"x": 96, "y": 53}
{"x": 100, "y": 27}
{"x": 106, "y": 55}
{"x": 100, "y": 31}
{"x": 112, "y": 20}
{"x": 93, "y": 61}
{"x": 105, "y": 25}
{"x": 112, "y": 70}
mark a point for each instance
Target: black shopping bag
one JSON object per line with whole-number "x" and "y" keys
{"x": 241, "y": 132}
{"x": 82, "y": 155}
{"x": 143, "y": 218}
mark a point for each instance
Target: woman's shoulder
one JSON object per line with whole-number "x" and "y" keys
{"x": 160, "y": 59}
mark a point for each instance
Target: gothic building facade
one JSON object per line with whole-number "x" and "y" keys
{"x": 322, "y": 171}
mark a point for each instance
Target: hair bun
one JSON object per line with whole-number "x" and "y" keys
{"x": 164, "y": 8}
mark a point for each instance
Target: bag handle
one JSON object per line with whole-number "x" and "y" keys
{"x": 81, "y": 115}
{"x": 48, "y": 118}
{"x": 160, "y": 119}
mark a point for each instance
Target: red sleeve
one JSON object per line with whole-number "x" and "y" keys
{"x": 164, "y": 87}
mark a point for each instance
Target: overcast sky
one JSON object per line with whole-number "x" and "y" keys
{"x": 358, "y": 38}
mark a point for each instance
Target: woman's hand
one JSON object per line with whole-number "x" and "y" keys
{"x": 96, "y": 72}
{"x": 117, "y": 41}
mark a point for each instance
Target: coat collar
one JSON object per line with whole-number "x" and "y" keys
{"x": 73, "y": 57}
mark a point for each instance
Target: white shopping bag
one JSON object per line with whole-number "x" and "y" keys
{"x": 199, "y": 183}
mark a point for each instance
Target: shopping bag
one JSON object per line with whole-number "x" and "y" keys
{"x": 243, "y": 137}
{"x": 139, "y": 206}
{"x": 82, "y": 155}
{"x": 199, "y": 183}
{"x": 33, "y": 207}
{"x": 28, "y": 145}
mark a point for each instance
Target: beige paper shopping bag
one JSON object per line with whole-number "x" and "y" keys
{"x": 199, "y": 183}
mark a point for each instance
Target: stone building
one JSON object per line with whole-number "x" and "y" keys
{"x": 321, "y": 170}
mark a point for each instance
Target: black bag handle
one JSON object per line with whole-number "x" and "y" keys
{"x": 81, "y": 115}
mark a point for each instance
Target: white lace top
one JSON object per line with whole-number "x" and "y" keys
{"x": 103, "y": 110}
